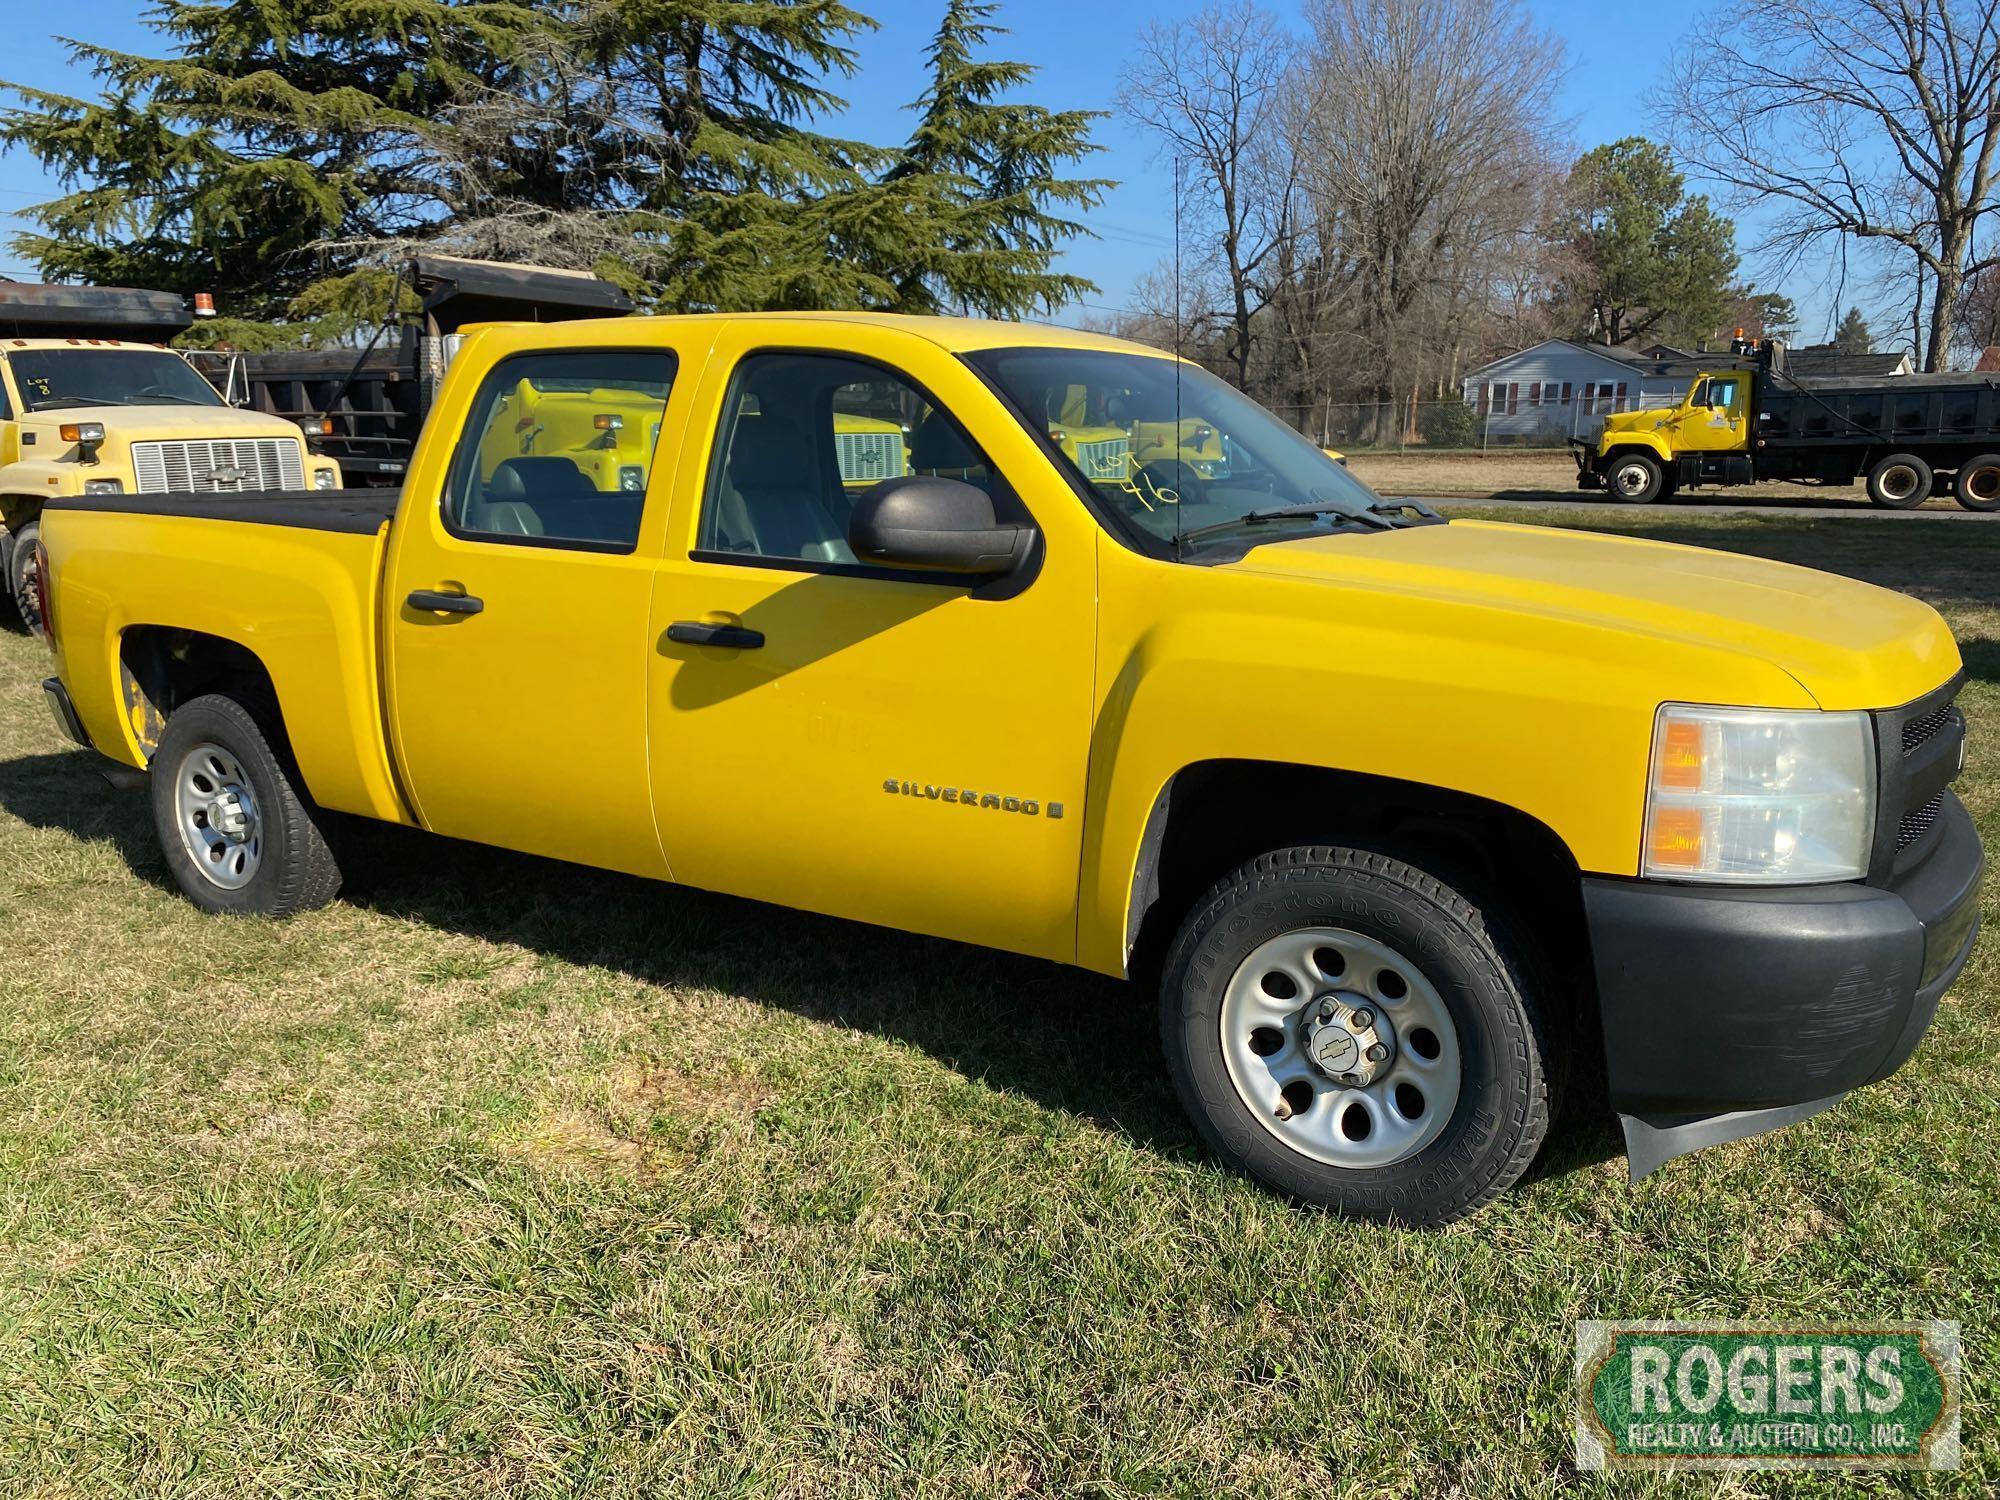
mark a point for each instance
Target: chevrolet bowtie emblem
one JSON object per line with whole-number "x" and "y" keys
{"x": 227, "y": 474}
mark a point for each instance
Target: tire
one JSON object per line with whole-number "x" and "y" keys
{"x": 238, "y": 833}
{"x": 1902, "y": 481}
{"x": 1636, "y": 477}
{"x": 1252, "y": 1063}
{"x": 20, "y": 564}
{"x": 1976, "y": 486}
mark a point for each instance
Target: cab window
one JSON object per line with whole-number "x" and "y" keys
{"x": 6, "y": 401}
{"x": 559, "y": 448}
{"x": 1723, "y": 393}
{"x": 802, "y": 436}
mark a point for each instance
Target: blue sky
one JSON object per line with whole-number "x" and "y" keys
{"x": 1608, "y": 45}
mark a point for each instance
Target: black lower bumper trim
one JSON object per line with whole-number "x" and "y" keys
{"x": 1723, "y": 1007}
{"x": 65, "y": 712}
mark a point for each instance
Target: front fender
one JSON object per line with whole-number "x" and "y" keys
{"x": 1659, "y": 443}
{"x": 26, "y": 486}
{"x": 1547, "y": 716}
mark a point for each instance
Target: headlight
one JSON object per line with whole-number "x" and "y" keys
{"x": 1754, "y": 796}
{"x": 631, "y": 479}
{"x": 322, "y": 479}
{"x": 104, "y": 487}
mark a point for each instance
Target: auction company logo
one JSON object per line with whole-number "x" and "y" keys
{"x": 1766, "y": 1396}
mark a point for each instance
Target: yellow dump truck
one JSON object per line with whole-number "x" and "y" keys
{"x": 1746, "y": 419}
{"x": 1395, "y": 814}
{"x": 87, "y": 408}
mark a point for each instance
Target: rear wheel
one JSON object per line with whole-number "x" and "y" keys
{"x": 21, "y": 575}
{"x": 1351, "y": 1031}
{"x": 237, "y": 831}
{"x": 1976, "y": 486}
{"x": 1636, "y": 477}
{"x": 1902, "y": 481}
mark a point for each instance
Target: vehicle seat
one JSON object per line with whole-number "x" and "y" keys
{"x": 551, "y": 496}
{"x": 938, "y": 447}
{"x": 775, "y": 508}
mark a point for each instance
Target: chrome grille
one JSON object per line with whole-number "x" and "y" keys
{"x": 1103, "y": 460}
{"x": 219, "y": 465}
{"x": 865, "y": 457}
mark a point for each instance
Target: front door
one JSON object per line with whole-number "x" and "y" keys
{"x": 898, "y": 748}
{"x": 1716, "y": 424}
{"x": 518, "y": 608}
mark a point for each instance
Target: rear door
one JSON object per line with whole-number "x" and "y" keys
{"x": 518, "y": 602}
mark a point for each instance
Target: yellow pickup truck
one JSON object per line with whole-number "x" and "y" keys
{"x": 1392, "y": 811}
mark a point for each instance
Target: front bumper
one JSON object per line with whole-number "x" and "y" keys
{"x": 1731, "y": 1011}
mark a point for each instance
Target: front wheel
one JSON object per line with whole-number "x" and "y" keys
{"x": 1351, "y": 1031}
{"x": 1637, "y": 477}
{"x": 237, "y": 831}
{"x": 21, "y": 576}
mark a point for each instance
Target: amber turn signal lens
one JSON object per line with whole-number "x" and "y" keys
{"x": 1674, "y": 838}
{"x": 1681, "y": 757}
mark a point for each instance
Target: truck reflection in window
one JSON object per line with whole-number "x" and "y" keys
{"x": 559, "y": 448}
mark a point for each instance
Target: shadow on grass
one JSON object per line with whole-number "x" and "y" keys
{"x": 1069, "y": 1040}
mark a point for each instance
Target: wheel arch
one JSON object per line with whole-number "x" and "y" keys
{"x": 1214, "y": 815}
{"x": 161, "y": 667}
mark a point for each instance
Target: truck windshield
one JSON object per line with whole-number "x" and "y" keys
{"x": 51, "y": 378}
{"x": 1170, "y": 455}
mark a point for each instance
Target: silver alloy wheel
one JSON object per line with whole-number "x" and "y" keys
{"x": 1898, "y": 482}
{"x": 216, "y": 813}
{"x": 1631, "y": 479}
{"x": 1341, "y": 1047}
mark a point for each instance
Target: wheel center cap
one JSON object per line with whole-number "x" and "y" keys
{"x": 227, "y": 817}
{"x": 1349, "y": 1039}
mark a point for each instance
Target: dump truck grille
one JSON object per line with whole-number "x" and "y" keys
{"x": 219, "y": 465}
{"x": 866, "y": 457}
{"x": 1914, "y": 825}
{"x": 1103, "y": 460}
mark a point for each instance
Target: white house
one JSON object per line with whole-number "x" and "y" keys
{"x": 1558, "y": 389}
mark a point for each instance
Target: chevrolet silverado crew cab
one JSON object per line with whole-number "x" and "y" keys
{"x": 1394, "y": 810}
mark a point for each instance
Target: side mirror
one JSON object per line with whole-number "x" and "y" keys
{"x": 946, "y": 525}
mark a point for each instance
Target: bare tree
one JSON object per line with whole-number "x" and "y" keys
{"x": 1863, "y": 120}
{"x": 1426, "y": 147}
{"x": 1210, "y": 89}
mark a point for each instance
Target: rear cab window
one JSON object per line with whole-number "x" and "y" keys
{"x": 559, "y": 448}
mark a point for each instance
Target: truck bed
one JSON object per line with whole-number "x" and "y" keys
{"x": 355, "y": 512}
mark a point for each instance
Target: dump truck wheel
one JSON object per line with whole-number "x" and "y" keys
{"x": 1976, "y": 486}
{"x": 238, "y": 832}
{"x": 1902, "y": 481}
{"x": 1636, "y": 477}
{"x": 1354, "y": 1032}
{"x": 20, "y": 567}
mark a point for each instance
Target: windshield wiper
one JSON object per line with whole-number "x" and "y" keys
{"x": 52, "y": 402}
{"x": 149, "y": 397}
{"x": 1366, "y": 518}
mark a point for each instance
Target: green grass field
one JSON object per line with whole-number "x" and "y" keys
{"x": 502, "y": 1177}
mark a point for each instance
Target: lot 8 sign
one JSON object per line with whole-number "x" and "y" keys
{"x": 1722, "y": 1395}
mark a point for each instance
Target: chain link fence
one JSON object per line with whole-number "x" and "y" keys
{"x": 1455, "y": 426}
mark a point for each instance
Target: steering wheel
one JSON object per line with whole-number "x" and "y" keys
{"x": 1171, "y": 481}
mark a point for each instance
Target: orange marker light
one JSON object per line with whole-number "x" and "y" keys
{"x": 1681, "y": 756}
{"x": 1674, "y": 839}
{"x": 607, "y": 421}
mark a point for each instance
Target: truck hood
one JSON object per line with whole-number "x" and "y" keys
{"x": 1646, "y": 419}
{"x": 163, "y": 420}
{"x": 1848, "y": 644}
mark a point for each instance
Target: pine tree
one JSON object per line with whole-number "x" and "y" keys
{"x": 992, "y": 171}
{"x": 265, "y": 135}
{"x": 284, "y": 152}
{"x": 1852, "y": 336}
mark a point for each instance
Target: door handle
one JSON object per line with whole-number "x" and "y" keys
{"x": 704, "y": 633}
{"x": 444, "y": 604}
